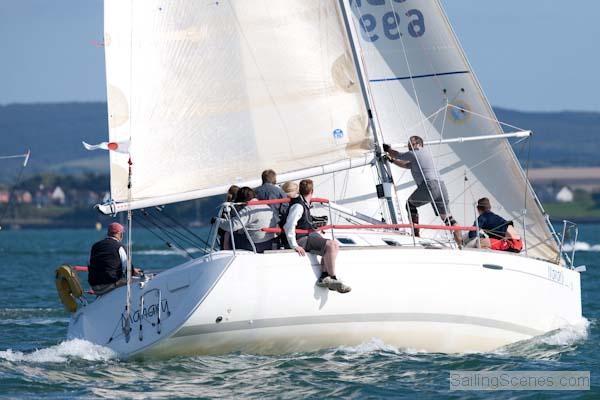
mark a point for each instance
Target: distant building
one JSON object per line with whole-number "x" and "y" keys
{"x": 4, "y": 194}
{"x": 25, "y": 197}
{"x": 565, "y": 195}
{"x": 58, "y": 196}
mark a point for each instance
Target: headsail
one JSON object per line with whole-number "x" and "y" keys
{"x": 421, "y": 84}
{"x": 210, "y": 93}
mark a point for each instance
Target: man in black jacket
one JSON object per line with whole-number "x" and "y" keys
{"x": 108, "y": 261}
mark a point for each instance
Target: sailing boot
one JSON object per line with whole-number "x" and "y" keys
{"x": 335, "y": 284}
{"x": 323, "y": 280}
{"x": 415, "y": 220}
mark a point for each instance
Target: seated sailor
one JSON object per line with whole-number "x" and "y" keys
{"x": 108, "y": 260}
{"x": 269, "y": 189}
{"x": 253, "y": 218}
{"x": 501, "y": 235}
{"x": 299, "y": 218}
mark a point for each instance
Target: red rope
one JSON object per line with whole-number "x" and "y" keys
{"x": 281, "y": 201}
{"x": 380, "y": 226}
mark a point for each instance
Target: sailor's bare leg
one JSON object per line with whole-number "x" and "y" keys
{"x": 456, "y": 233}
{"x": 331, "y": 251}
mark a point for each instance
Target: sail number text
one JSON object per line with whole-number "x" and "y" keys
{"x": 390, "y": 24}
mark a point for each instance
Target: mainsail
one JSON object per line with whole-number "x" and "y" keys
{"x": 421, "y": 84}
{"x": 210, "y": 93}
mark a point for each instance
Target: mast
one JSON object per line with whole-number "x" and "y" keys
{"x": 383, "y": 168}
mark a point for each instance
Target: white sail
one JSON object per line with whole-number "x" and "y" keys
{"x": 421, "y": 84}
{"x": 210, "y": 94}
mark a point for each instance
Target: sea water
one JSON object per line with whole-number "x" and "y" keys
{"x": 37, "y": 362}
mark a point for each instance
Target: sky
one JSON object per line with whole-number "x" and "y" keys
{"x": 530, "y": 55}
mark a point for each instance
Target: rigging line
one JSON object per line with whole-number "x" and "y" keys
{"x": 526, "y": 192}
{"x": 383, "y": 169}
{"x": 262, "y": 77}
{"x": 486, "y": 117}
{"x": 149, "y": 229}
{"x": 360, "y": 54}
{"x": 412, "y": 81}
{"x": 434, "y": 115}
{"x": 162, "y": 239}
{"x": 478, "y": 164}
{"x": 434, "y": 75}
{"x": 182, "y": 226}
{"x": 15, "y": 156}
{"x": 173, "y": 233}
{"x": 166, "y": 233}
{"x": 11, "y": 193}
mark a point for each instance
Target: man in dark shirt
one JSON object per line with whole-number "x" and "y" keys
{"x": 269, "y": 190}
{"x": 496, "y": 228}
{"x": 108, "y": 261}
{"x": 492, "y": 224}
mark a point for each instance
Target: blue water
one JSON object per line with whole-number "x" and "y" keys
{"x": 37, "y": 362}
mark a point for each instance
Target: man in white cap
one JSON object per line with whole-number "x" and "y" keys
{"x": 108, "y": 260}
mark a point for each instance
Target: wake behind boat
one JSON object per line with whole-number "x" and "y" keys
{"x": 204, "y": 95}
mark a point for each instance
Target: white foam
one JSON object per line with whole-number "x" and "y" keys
{"x": 372, "y": 345}
{"x": 62, "y": 352}
{"x": 581, "y": 246}
{"x": 375, "y": 345}
{"x": 34, "y": 321}
{"x": 568, "y": 334}
{"x": 170, "y": 252}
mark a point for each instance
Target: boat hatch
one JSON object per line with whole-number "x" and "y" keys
{"x": 345, "y": 241}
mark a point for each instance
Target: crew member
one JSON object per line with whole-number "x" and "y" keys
{"x": 269, "y": 189}
{"x": 430, "y": 189}
{"x": 299, "y": 218}
{"x": 108, "y": 261}
{"x": 254, "y": 218}
{"x": 501, "y": 233}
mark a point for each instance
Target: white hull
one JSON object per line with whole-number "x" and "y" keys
{"x": 438, "y": 300}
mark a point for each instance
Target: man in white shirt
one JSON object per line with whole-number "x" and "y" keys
{"x": 299, "y": 218}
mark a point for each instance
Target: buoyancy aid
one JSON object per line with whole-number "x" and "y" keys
{"x": 305, "y": 222}
{"x": 105, "y": 263}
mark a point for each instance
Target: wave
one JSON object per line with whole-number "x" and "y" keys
{"x": 62, "y": 352}
{"x": 582, "y": 246}
{"x": 370, "y": 346}
{"x": 169, "y": 252}
{"x": 551, "y": 344}
{"x": 34, "y": 321}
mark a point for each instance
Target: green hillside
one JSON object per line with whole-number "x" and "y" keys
{"x": 54, "y": 133}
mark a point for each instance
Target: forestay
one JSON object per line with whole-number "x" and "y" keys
{"x": 421, "y": 84}
{"x": 210, "y": 93}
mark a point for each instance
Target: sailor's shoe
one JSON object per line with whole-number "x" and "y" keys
{"x": 341, "y": 287}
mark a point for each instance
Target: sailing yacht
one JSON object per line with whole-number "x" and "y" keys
{"x": 206, "y": 94}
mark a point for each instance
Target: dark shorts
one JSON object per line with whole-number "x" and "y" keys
{"x": 433, "y": 192}
{"x": 314, "y": 243}
{"x": 99, "y": 290}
